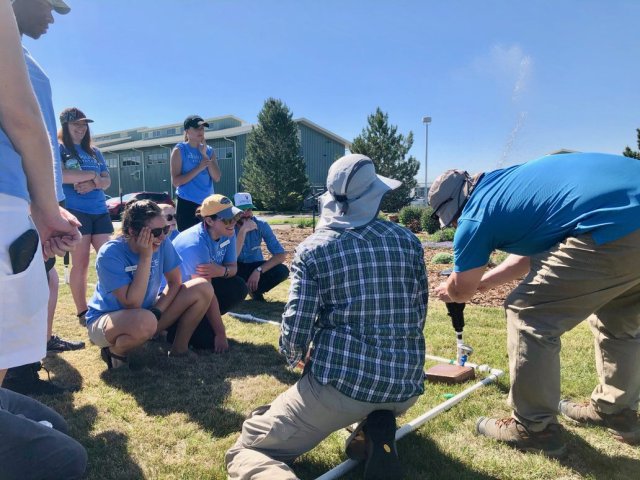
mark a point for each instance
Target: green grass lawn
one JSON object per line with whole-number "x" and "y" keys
{"x": 171, "y": 419}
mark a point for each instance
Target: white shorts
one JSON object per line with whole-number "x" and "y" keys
{"x": 24, "y": 296}
{"x": 96, "y": 331}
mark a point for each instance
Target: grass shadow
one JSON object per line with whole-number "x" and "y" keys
{"x": 200, "y": 387}
{"x": 589, "y": 462}
{"x": 105, "y": 449}
{"x": 413, "y": 450}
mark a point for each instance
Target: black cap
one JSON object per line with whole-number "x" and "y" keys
{"x": 194, "y": 121}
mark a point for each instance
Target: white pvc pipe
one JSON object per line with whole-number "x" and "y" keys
{"x": 416, "y": 423}
{"x": 246, "y": 316}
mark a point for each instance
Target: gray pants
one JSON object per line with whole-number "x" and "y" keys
{"x": 573, "y": 281}
{"x": 31, "y": 450}
{"x": 293, "y": 424}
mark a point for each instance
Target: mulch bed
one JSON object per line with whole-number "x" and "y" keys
{"x": 290, "y": 237}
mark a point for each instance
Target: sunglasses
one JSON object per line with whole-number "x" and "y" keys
{"x": 156, "y": 232}
{"x": 169, "y": 217}
{"x": 228, "y": 221}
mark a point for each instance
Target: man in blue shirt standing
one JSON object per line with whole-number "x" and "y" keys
{"x": 572, "y": 225}
{"x": 260, "y": 275}
{"x": 359, "y": 292}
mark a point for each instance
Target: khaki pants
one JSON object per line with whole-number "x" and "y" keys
{"x": 293, "y": 424}
{"x": 573, "y": 281}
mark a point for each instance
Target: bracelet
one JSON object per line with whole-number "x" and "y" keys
{"x": 156, "y": 311}
{"x": 226, "y": 272}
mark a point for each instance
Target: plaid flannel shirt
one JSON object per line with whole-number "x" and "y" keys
{"x": 361, "y": 296}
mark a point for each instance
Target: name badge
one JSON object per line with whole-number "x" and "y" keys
{"x": 131, "y": 268}
{"x": 225, "y": 243}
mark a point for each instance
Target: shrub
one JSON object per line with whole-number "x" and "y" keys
{"x": 444, "y": 235}
{"x": 442, "y": 258}
{"x": 409, "y": 215}
{"x": 304, "y": 222}
{"x": 428, "y": 224}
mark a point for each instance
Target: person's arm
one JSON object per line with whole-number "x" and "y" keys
{"x": 174, "y": 282}
{"x": 460, "y": 286}
{"x": 241, "y": 234}
{"x": 178, "y": 178}
{"x": 103, "y": 179}
{"x": 212, "y": 165}
{"x": 132, "y": 295}
{"x": 22, "y": 121}
{"x": 513, "y": 267}
{"x": 299, "y": 315}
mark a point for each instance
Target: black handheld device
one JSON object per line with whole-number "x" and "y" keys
{"x": 22, "y": 250}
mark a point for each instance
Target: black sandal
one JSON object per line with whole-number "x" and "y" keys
{"x": 82, "y": 318}
{"x": 107, "y": 355}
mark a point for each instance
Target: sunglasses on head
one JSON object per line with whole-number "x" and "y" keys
{"x": 169, "y": 217}
{"x": 156, "y": 232}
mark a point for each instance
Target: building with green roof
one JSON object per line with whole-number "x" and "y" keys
{"x": 138, "y": 158}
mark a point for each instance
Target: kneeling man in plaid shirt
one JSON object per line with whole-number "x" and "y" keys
{"x": 355, "y": 316}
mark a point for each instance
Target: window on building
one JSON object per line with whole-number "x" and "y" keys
{"x": 131, "y": 161}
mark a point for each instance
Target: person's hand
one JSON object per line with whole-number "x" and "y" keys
{"x": 58, "y": 230}
{"x": 253, "y": 280}
{"x": 441, "y": 292}
{"x": 206, "y": 270}
{"x": 84, "y": 187}
{"x": 144, "y": 242}
{"x": 220, "y": 344}
{"x": 248, "y": 225}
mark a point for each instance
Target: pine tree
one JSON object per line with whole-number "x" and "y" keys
{"x": 631, "y": 153}
{"x": 388, "y": 150}
{"x": 274, "y": 171}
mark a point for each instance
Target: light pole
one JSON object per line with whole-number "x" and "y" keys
{"x": 426, "y": 121}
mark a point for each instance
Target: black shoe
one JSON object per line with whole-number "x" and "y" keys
{"x": 57, "y": 344}
{"x": 25, "y": 380}
{"x": 257, "y": 297}
{"x": 380, "y": 437}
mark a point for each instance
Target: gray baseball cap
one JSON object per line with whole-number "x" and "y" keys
{"x": 448, "y": 195}
{"x": 354, "y": 192}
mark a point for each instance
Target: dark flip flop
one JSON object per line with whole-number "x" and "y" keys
{"x": 107, "y": 355}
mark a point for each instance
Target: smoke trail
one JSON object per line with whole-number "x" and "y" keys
{"x": 512, "y": 139}
{"x": 524, "y": 70}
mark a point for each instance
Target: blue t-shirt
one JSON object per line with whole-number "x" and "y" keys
{"x": 195, "y": 246}
{"x": 116, "y": 265}
{"x": 93, "y": 202}
{"x": 42, "y": 89}
{"x": 528, "y": 208}
{"x": 200, "y": 186}
{"x": 13, "y": 180}
{"x": 251, "y": 251}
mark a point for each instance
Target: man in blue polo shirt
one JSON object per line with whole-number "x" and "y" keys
{"x": 572, "y": 225}
{"x": 208, "y": 249}
{"x": 260, "y": 275}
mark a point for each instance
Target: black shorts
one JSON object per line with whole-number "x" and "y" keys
{"x": 94, "y": 223}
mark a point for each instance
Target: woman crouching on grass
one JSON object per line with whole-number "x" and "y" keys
{"x": 126, "y": 310}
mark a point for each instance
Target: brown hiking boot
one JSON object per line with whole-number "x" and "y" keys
{"x": 508, "y": 430}
{"x": 624, "y": 425}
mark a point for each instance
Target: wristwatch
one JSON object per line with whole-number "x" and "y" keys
{"x": 259, "y": 270}
{"x": 156, "y": 311}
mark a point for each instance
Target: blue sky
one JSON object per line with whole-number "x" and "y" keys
{"x": 504, "y": 81}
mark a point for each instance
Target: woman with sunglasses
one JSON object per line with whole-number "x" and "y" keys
{"x": 85, "y": 176}
{"x": 208, "y": 250}
{"x": 169, "y": 214}
{"x": 126, "y": 310}
{"x": 194, "y": 168}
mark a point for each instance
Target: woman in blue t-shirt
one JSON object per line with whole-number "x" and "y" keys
{"x": 85, "y": 176}
{"x": 126, "y": 310}
{"x": 194, "y": 168}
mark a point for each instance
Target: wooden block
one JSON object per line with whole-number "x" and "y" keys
{"x": 447, "y": 373}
